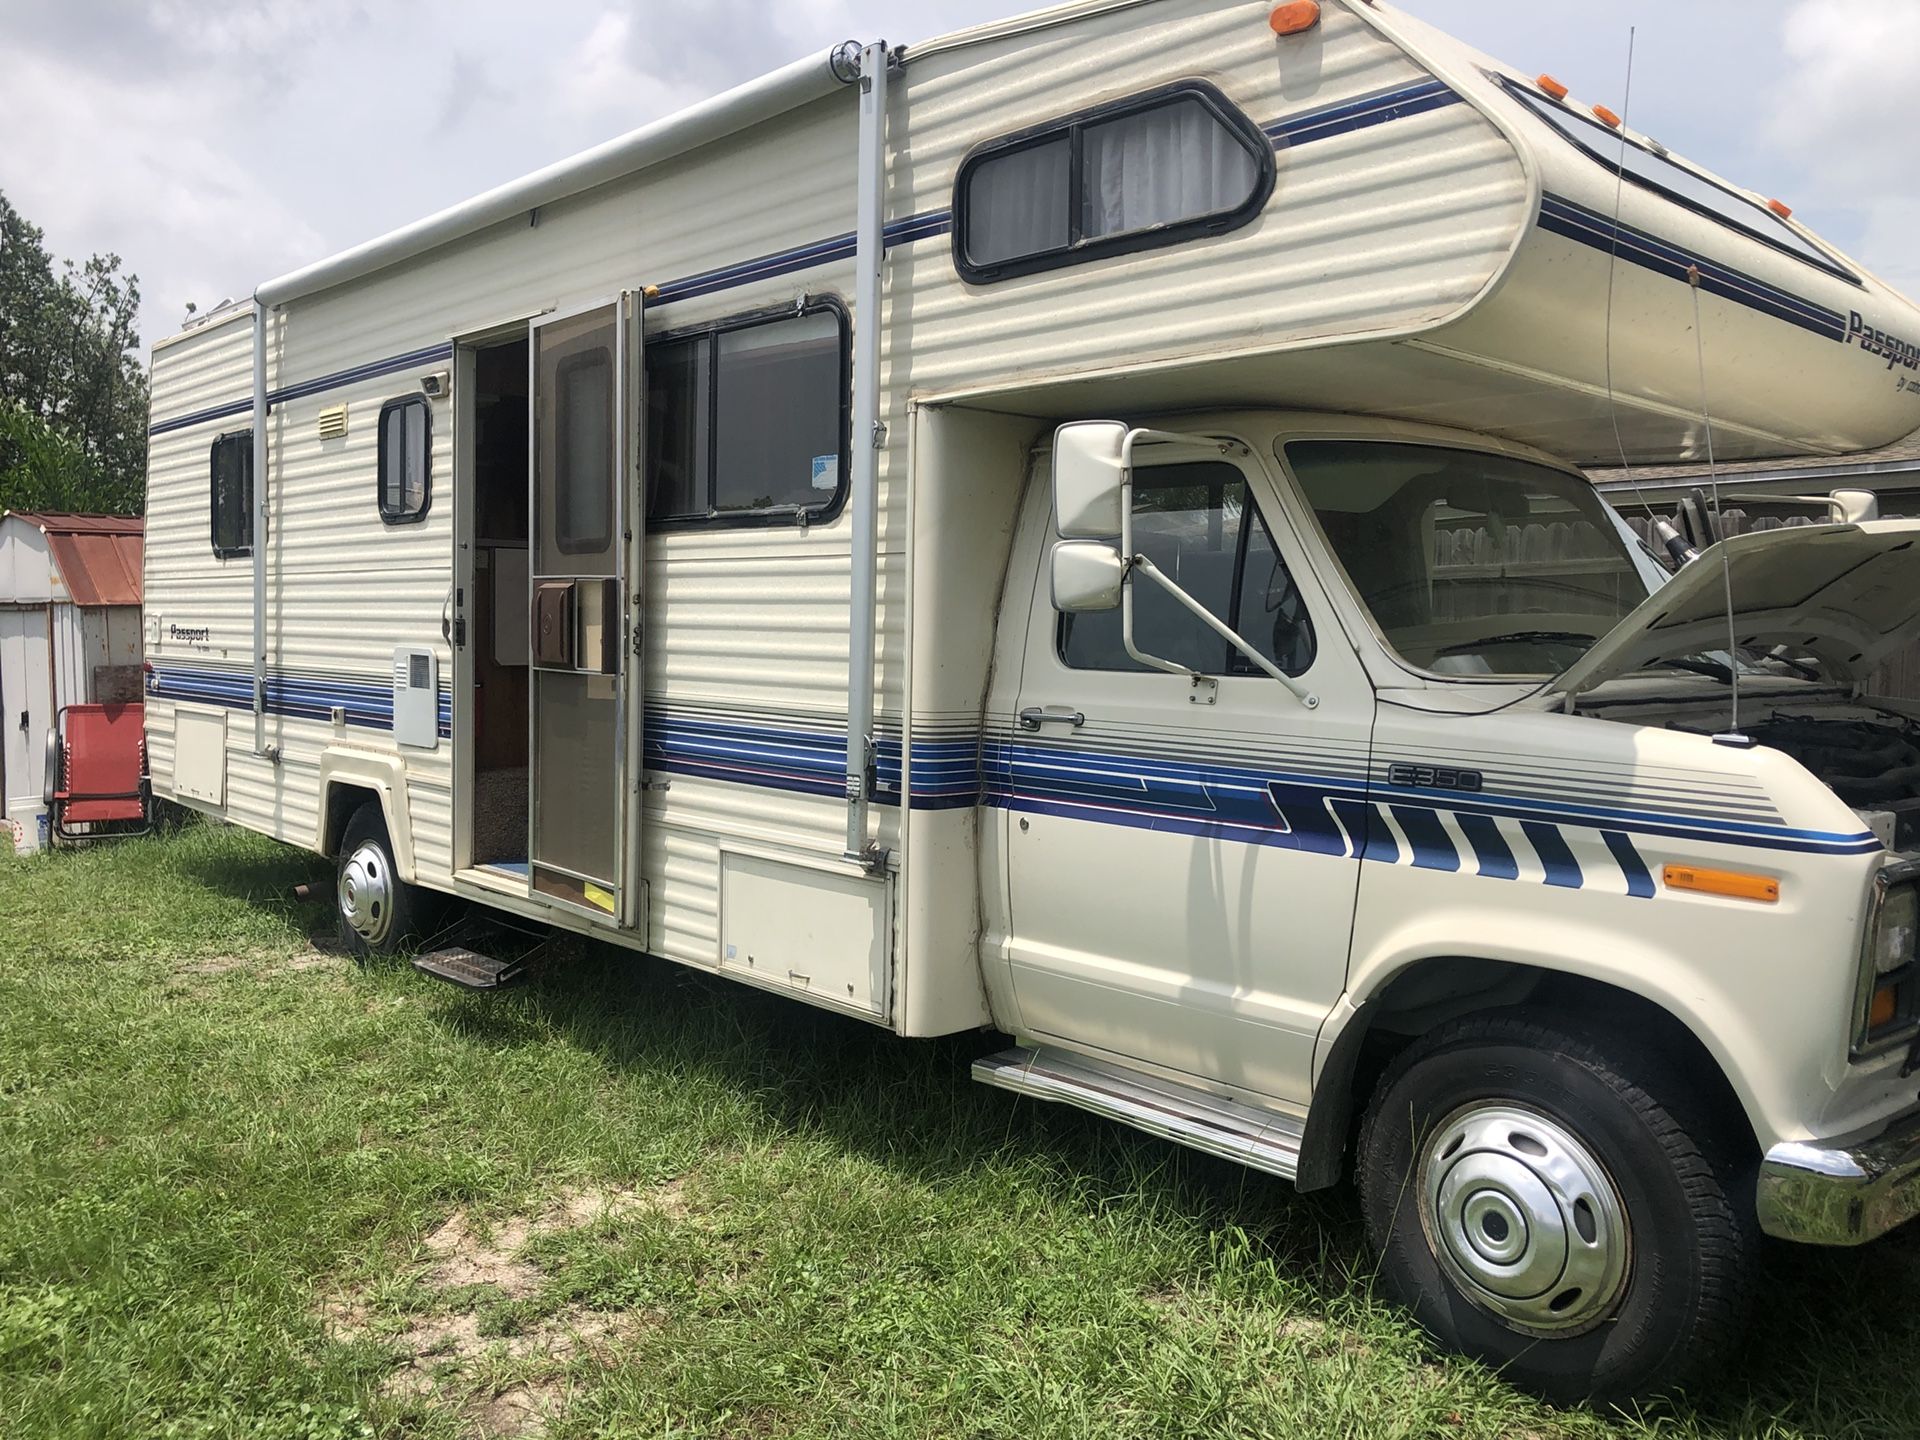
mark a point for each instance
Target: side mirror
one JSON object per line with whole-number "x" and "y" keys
{"x": 1087, "y": 470}
{"x": 1850, "y": 507}
{"x": 1087, "y": 576}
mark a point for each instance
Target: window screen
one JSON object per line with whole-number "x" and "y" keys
{"x": 1198, "y": 524}
{"x": 1675, "y": 181}
{"x": 406, "y": 430}
{"x": 1148, "y": 171}
{"x": 232, "y": 494}
{"x": 583, "y": 496}
{"x": 747, "y": 421}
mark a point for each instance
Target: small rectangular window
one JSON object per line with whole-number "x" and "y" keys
{"x": 231, "y": 490}
{"x": 583, "y": 519}
{"x": 747, "y": 420}
{"x": 1147, "y": 171}
{"x": 1198, "y": 524}
{"x": 406, "y": 450}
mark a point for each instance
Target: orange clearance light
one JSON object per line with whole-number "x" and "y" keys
{"x": 1293, "y": 18}
{"x": 1783, "y": 210}
{"x": 1886, "y": 1003}
{"x": 1552, "y": 86}
{"x": 1606, "y": 116}
{"x": 1734, "y": 883}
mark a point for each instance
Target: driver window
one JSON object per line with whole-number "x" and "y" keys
{"x": 1199, "y": 525}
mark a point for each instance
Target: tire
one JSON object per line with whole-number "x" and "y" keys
{"x": 1620, "y": 1279}
{"x": 376, "y": 911}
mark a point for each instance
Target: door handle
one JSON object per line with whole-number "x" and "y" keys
{"x": 1034, "y": 716}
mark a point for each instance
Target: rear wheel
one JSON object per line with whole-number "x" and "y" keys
{"x": 1553, "y": 1212}
{"x": 377, "y": 911}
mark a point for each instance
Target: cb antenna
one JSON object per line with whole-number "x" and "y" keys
{"x": 1733, "y": 735}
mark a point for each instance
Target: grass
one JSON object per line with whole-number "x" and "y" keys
{"x": 247, "y": 1189}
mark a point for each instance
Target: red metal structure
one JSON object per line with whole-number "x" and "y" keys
{"x": 97, "y": 773}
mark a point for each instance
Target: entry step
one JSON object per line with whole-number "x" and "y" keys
{"x": 1263, "y": 1139}
{"x": 469, "y": 969}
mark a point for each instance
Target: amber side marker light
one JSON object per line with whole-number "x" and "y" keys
{"x": 1734, "y": 883}
{"x": 1606, "y": 117}
{"x": 1552, "y": 86}
{"x": 1293, "y": 18}
{"x": 1885, "y": 1006}
{"x": 1781, "y": 208}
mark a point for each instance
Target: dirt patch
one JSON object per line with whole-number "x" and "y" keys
{"x": 259, "y": 963}
{"x": 474, "y": 1335}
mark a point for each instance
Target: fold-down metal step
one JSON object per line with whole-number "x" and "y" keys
{"x": 469, "y": 969}
{"x": 1262, "y": 1139}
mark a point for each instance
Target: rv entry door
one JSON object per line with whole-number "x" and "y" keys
{"x": 576, "y": 610}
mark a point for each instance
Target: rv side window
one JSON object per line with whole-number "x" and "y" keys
{"x": 406, "y": 439}
{"x": 1148, "y": 171}
{"x": 232, "y": 494}
{"x": 1199, "y": 525}
{"x": 583, "y": 457}
{"x": 747, "y": 420}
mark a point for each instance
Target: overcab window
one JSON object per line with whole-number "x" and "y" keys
{"x": 747, "y": 419}
{"x": 1143, "y": 172}
{"x": 406, "y": 438}
{"x": 232, "y": 494}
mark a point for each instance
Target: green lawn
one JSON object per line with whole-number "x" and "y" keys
{"x": 249, "y": 1190}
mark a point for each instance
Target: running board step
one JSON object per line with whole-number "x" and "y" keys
{"x": 469, "y": 969}
{"x": 1259, "y": 1138}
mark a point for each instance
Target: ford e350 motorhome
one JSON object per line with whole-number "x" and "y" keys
{"x": 1074, "y": 528}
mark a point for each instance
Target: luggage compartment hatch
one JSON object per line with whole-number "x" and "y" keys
{"x": 822, "y": 933}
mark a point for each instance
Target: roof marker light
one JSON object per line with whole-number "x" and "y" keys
{"x": 1552, "y": 86}
{"x": 1780, "y": 208}
{"x": 1606, "y": 117}
{"x": 1294, "y": 17}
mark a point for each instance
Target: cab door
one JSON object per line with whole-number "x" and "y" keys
{"x": 1183, "y": 849}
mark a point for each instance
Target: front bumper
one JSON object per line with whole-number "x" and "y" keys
{"x": 1842, "y": 1192}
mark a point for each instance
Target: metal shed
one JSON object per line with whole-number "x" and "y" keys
{"x": 69, "y": 634}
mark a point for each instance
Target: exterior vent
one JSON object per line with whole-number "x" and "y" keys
{"x": 333, "y": 422}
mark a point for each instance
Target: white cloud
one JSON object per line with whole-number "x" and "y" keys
{"x": 1846, "y": 120}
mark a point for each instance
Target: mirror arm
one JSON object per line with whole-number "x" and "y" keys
{"x": 1206, "y": 617}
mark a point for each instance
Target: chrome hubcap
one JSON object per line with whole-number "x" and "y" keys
{"x": 366, "y": 893}
{"x": 1524, "y": 1218}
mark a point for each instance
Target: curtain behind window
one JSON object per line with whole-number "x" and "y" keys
{"x": 1155, "y": 167}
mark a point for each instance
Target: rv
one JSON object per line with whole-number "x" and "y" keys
{"x": 1073, "y": 529}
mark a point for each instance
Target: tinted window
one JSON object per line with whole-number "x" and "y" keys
{"x": 406, "y": 428}
{"x": 1198, "y": 525}
{"x": 1470, "y": 564}
{"x": 232, "y": 494}
{"x": 1144, "y": 172}
{"x": 1656, "y": 172}
{"x": 747, "y": 421}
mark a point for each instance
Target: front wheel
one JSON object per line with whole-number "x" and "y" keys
{"x": 377, "y": 911}
{"x": 1537, "y": 1205}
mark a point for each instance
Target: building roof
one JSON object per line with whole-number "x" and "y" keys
{"x": 1897, "y": 463}
{"x": 99, "y": 556}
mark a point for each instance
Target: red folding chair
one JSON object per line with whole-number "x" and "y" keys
{"x": 97, "y": 772}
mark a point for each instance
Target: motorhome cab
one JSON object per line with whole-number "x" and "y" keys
{"x": 1074, "y": 528}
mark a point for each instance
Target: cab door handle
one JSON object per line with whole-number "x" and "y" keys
{"x": 1034, "y": 716}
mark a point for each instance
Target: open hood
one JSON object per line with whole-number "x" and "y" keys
{"x": 1847, "y": 594}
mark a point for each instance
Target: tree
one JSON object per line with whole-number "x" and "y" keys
{"x": 73, "y": 393}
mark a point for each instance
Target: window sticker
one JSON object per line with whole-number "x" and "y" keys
{"x": 826, "y": 472}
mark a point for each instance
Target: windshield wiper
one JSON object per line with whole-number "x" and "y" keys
{"x": 1698, "y": 665}
{"x": 1519, "y": 637}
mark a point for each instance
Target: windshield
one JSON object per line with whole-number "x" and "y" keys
{"x": 1470, "y": 564}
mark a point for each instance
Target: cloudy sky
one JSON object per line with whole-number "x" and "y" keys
{"x": 216, "y": 143}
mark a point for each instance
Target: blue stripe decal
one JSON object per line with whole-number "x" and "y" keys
{"x": 367, "y": 704}
{"x": 200, "y": 417}
{"x": 1638, "y": 247}
{"x": 1490, "y": 849}
{"x": 1380, "y": 842}
{"x": 1433, "y": 848}
{"x": 1327, "y": 121}
{"x": 1551, "y": 846}
{"x": 1639, "y": 878}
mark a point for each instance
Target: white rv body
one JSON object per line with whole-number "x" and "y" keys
{"x": 1432, "y": 263}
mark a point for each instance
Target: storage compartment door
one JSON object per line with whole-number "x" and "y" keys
{"x": 824, "y": 935}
